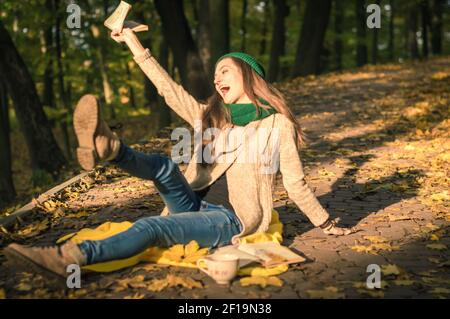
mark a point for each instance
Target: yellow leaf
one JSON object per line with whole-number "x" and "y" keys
{"x": 440, "y": 197}
{"x": 2, "y": 294}
{"x": 374, "y": 248}
{"x": 191, "y": 248}
{"x": 372, "y": 293}
{"x": 157, "y": 285}
{"x": 431, "y": 226}
{"x": 196, "y": 256}
{"x": 437, "y": 246}
{"x": 186, "y": 282}
{"x": 434, "y": 260}
{"x": 77, "y": 215}
{"x": 262, "y": 281}
{"x": 440, "y": 75}
{"x": 434, "y": 237}
{"x": 172, "y": 256}
{"x": 375, "y": 239}
{"x": 440, "y": 291}
{"x": 403, "y": 282}
{"x": 390, "y": 269}
{"x": 135, "y": 296}
{"x": 327, "y": 293}
{"x": 23, "y": 287}
{"x": 177, "y": 250}
{"x": 363, "y": 285}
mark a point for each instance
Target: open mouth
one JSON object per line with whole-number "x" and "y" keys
{"x": 224, "y": 90}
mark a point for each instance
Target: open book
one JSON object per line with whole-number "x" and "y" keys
{"x": 268, "y": 254}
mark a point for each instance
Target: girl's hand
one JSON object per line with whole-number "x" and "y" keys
{"x": 122, "y": 35}
{"x": 332, "y": 229}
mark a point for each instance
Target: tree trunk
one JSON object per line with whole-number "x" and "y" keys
{"x": 263, "y": 42}
{"x": 7, "y": 191}
{"x": 220, "y": 30}
{"x": 213, "y": 36}
{"x": 338, "y": 30}
{"x": 178, "y": 35}
{"x": 278, "y": 38}
{"x": 244, "y": 25}
{"x": 361, "y": 42}
{"x": 43, "y": 149}
{"x": 130, "y": 87}
{"x": 49, "y": 95}
{"x": 436, "y": 26}
{"x": 375, "y": 42}
{"x": 412, "y": 31}
{"x": 425, "y": 17}
{"x": 310, "y": 44}
{"x": 391, "y": 48}
{"x": 62, "y": 88}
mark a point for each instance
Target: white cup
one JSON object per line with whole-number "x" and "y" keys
{"x": 222, "y": 268}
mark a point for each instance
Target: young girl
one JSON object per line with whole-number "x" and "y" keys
{"x": 214, "y": 203}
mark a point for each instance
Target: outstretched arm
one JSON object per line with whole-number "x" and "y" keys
{"x": 185, "y": 105}
{"x": 298, "y": 190}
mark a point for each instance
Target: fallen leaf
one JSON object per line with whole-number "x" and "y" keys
{"x": 390, "y": 269}
{"x": 262, "y": 281}
{"x": 372, "y": 293}
{"x": 327, "y": 293}
{"x": 78, "y": 214}
{"x": 191, "y": 248}
{"x": 440, "y": 291}
{"x": 2, "y": 293}
{"x": 437, "y": 246}
{"x": 186, "y": 282}
{"x": 374, "y": 248}
{"x": 363, "y": 285}
{"x": 196, "y": 256}
{"x": 434, "y": 260}
{"x": 23, "y": 287}
{"x": 434, "y": 237}
{"x": 157, "y": 285}
{"x": 403, "y": 282}
{"x": 135, "y": 296}
{"x": 376, "y": 239}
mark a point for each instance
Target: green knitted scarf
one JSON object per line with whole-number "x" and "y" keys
{"x": 244, "y": 113}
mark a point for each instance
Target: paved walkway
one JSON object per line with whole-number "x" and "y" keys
{"x": 378, "y": 158}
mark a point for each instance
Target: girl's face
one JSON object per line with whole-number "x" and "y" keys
{"x": 229, "y": 82}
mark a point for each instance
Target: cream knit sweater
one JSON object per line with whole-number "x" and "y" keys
{"x": 250, "y": 183}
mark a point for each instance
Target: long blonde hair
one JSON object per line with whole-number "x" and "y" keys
{"x": 216, "y": 115}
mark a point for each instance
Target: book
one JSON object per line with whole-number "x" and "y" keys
{"x": 117, "y": 18}
{"x": 268, "y": 254}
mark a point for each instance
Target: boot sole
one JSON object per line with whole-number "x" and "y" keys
{"x": 85, "y": 122}
{"x": 24, "y": 263}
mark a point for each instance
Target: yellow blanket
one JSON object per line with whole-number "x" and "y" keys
{"x": 178, "y": 255}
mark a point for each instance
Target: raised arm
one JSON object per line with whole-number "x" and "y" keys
{"x": 176, "y": 97}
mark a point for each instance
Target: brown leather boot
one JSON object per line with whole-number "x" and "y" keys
{"x": 96, "y": 141}
{"x": 49, "y": 261}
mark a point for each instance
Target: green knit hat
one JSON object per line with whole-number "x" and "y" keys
{"x": 254, "y": 64}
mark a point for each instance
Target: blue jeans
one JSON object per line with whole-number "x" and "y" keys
{"x": 191, "y": 218}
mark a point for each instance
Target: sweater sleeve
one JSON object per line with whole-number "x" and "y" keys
{"x": 293, "y": 177}
{"x": 175, "y": 96}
